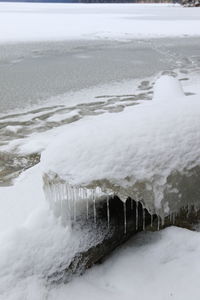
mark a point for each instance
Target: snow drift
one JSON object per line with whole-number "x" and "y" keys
{"x": 149, "y": 152}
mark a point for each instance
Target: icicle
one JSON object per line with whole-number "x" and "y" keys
{"x": 196, "y": 210}
{"x": 151, "y": 220}
{"x": 108, "y": 212}
{"x": 131, "y": 204}
{"x": 74, "y": 202}
{"x": 143, "y": 218}
{"x": 80, "y": 194}
{"x": 125, "y": 218}
{"x": 77, "y": 198}
{"x": 85, "y": 197}
{"x": 171, "y": 217}
{"x": 188, "y": 211}
{"x": 63, "y": 213}
{"x": 163, "y": 220}
{"x": 158, "y": 228}
{"x": 66, "y": 204}
{"x": 59, "y": 194}
{"x": 174, "y": 218}
{"x": 61, "y": 202}
{"x": 48, "y": 192}
{"x": 68, "y": 197}
{"x": 54, "y": 193}
{"x": 87, "y": 205}
{"x": 94, "y": 207}
{"x": 136, "y": 216}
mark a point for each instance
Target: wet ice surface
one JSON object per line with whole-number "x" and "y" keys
{"x": 32, "y": 73}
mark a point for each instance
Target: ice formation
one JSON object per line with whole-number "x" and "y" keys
{"x": 149, "y": 152}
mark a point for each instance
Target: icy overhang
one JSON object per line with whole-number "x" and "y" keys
{"x": 149, "y": 152}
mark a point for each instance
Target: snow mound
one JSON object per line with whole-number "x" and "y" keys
{"x": 149, "y": 152}
{"x": 168, "y": 88}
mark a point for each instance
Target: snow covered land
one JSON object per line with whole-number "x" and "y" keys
{"x": 112, "y": 136}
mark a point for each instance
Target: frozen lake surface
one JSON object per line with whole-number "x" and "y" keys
{"x": 30, "y": 73}
{"x": 21, "y": 22}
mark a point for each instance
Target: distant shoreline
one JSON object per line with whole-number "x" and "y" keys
{"x": 97, "y": 1}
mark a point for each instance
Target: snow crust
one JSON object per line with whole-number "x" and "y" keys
{"x": 26, "y": 22}
{"x": 136, "y": 149}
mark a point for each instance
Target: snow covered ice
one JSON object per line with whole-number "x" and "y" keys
{"x": 139, "y": 153}
{"x": 46, "y": 22}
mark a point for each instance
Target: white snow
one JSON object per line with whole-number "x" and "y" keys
{"x": 162, "y": 265}
{"x": 19, "y": 201}
{"x": 167, "y": 89}
{"x": 26, "y": 22}
{"x": 144, "y": 144}
{"x": 63, "y": 116}
{"x": 33, "y": 244}
{"x": 151, "y": 266}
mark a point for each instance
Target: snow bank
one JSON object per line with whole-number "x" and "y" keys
{"x": 36, "y": 245}
{"x": 154, "y": 266}
{"x": 19, "y": 201}
{"x": 163, "y": 262}
{"x": 26, "y": 22}
{"x": 141, "y": 152}
{"x": 33, "y": 244}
